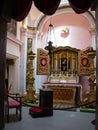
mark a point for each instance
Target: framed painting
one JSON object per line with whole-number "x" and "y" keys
{"x": 65, "y": 64}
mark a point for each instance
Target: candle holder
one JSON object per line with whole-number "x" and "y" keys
{"x": 91, "y": 94}
{"x": 30, "y": 95}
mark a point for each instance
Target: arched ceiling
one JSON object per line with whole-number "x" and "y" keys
{"x": 34, "y": 13}
{"x": 78, "y": 26}
{"x": 68, "y": 19}
{"x": 64, "y": 16}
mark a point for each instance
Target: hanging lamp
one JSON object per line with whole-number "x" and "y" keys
{"x": 49, "y": 44}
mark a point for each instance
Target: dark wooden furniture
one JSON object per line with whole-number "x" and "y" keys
{"x": 13, "y": 101}
{"x": 46, "y": 98}
{"x": 45, "y": 107}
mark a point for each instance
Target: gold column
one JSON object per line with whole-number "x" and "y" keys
{"x": 60, "y": 62}
{"x": 91, "y": 94}
{"x": 56, "y": 64}
{"x": 30, "y": 95}
{"x": 72, "y": 63}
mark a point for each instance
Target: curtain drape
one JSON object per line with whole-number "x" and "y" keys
{"x": 48, "y": 7}
{"x": 14, "y": 9}
{"x": 80, "y": 6}
{"x": 19, "y": 9}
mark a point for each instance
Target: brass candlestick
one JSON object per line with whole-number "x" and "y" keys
{"x": 30, "y": 95}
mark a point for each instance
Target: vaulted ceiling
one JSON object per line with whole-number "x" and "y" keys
{"x": 36, "y": 15}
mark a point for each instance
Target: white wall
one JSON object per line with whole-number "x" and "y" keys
{"x": 13, "y": 52}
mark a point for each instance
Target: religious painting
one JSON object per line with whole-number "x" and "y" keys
{"x": 65, "y": 64}
{"x": 84, "y": 62}
{"x": 43, "y": 66}
{"x": 12, "y": 27}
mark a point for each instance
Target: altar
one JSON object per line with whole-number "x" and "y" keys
{"x": 65, "y": 93}
{"x": 64, "y": 67}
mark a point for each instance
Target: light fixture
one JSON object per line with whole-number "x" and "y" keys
{"x": 49, "y": 44}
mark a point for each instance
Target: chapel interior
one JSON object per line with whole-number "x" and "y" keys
{"x": 72, "y": 40}
{"x": 56, "y": 52}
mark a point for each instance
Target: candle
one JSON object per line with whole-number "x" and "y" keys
{"x": 56, "y": 61}
{"x": 60, "y": 62}
{"x": 67, "y": 61}
{"x": 52, "y": 61}
{"x": 76, "y": 61}
{"x": 72, "y": 62}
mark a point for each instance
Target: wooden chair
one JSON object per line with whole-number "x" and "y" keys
{"x": 13, "y": 101}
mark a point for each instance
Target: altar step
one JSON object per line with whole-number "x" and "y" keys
{"x": 64, "y": 107}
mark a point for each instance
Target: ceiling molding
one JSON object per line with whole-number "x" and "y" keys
{"x": 65, "y": 9}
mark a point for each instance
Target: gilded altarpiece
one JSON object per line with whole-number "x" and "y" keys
{"x": 64, "y": 65}
{"x": 85, "y": 62}
{"x": 43, "y": 66}
{"x": 86, "y": 67}
{"x": 67, "y": 65}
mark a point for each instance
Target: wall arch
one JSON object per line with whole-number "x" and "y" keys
{"x": 39, "y": 23}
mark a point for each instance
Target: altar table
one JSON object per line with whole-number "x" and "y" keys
{"x": 65, "y": 93}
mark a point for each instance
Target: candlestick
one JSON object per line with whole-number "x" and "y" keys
{"x": 56, "y": 61}
{"x": 60, "y": 62}
{"x": 72, "y": 62}
{"x": 52, "y": 61}
{"x": 76, "y": 62}
{"x": 67, "y": 62}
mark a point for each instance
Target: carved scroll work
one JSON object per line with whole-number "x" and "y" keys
{"x": 43, "y": 66}
{"x": 85, "y": 62}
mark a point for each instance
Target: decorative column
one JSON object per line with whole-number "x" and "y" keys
{"x": 91, "y": 94}
{"x": 60, "y": 63}
{"x": 72, "y": 64}
{"x": 23, "y": 59}
{"x": 67, "y": 65}
{"x": 30, "y": 95}
{"x": 93, "y": 35}
{"x": 36, "y": 43}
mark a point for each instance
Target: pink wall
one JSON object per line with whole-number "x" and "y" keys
{"x": 85, "y": 85}
{"x": 78, "y": 25}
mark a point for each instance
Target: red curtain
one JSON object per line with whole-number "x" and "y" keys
{"x": 48, "y": 7}
{"x": 80, "y": 6}
{"x": 21, "y": 9}
{"x": 15, "y": 9}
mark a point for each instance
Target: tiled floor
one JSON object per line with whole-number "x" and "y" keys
{"x": 61, "y": 120}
